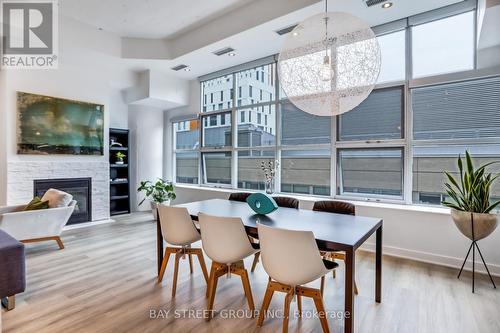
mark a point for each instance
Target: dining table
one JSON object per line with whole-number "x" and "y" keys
{"x": 333, "y": 232}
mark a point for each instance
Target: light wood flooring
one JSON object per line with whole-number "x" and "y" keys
{"x": 105, "y": 281}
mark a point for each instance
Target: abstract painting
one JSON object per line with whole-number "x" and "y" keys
{"x": 50, "y": 125}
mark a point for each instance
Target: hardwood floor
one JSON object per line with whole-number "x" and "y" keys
{"x": 105, "y": 281}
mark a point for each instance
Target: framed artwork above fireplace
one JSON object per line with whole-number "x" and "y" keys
{"x": 49, "y": 125}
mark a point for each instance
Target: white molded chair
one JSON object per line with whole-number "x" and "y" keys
{"x": 35, "y": 225}
{"x": 225, "y": 241}
{"x": 178, "y": 229}
{"x": 282, "y": 252}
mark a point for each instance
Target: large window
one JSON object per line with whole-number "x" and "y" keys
{"x": 443, "y": 116}
{"x": 443, "y": 46}
{"x": 394, "y": 146}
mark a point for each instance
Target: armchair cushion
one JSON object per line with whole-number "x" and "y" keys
{"x": 57, "y": 198}
{"x": 36, "y": 204}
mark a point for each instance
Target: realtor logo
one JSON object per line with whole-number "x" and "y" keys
{"x": 29, "y": 34}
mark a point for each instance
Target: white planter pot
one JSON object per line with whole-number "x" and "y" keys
{"x": 154, "y": 208}
{"x": 484, "y": 224}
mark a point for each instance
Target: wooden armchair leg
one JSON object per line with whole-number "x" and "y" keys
{"x": 190, "y": 264}
{"x": 265, "y": 303}
{"x": 176, "y": 272}
{"x": 318, "y": 301}
{"x": 286, "y": 311}
{"x": 9, "y": 302}
{"x": 59, "y": 242}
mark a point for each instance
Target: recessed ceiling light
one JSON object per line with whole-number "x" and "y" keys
{"x": 187, "y": 69}
{"x": 387, "y": 5}
{"x": 295, "y": 33}
{"x": 231, "y": 54}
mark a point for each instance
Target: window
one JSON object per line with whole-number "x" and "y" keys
{"x": 187, "y": 135}
{"x": 221, "y": 85}
{"x": 217, "y": 135}
{"x": 299, "y": 128}
{"x": 252, "y": 135}
{"x": 250, "y": 174}
{"x": 186, "y": 167}
{"x": 378, "y": 117}
{"x": 370, "y": 147}
{"x": 443, "y": 46}
{"x": 217, "y": 168}
{"x": 371, "y": 172}
{"x": 393, "y": 55}
{"x": 186, "y": 155}
{"x": 305, "y": 171}
{"x": 445, "y": 114}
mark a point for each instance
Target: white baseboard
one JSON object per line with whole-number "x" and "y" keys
{"x": 432, "y": 258}
{"x": 87, "y": 224}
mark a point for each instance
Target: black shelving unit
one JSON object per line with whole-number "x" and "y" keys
{"x": 119, "y": 173}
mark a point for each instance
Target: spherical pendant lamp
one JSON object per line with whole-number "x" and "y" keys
{"x": 329, "y": 63}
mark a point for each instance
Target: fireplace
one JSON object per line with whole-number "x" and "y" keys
{"x": 79, "y": 188}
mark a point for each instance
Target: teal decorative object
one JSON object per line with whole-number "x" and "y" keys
{"x": 262, "y": 203}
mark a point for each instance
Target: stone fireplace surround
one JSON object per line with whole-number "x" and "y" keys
{"x": 21, "y": 174}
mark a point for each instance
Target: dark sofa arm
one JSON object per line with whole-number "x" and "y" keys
{"x": 12, "y": 266}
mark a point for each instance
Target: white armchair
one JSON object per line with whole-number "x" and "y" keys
{"x": 35, "y": 225}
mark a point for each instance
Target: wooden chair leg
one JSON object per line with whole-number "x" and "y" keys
{"x": 190, "y": 264}
{"x": 213, "y": 288}
{"x": 164, "y": 264}
{"x": 355, "y": 288}
{"x": 176, "y": 271}
{"x": 286, "y": 311}
{"x": 265, "y": 304}
{"x": 247, "y": 289}
{"x": 255, "y": 261}
{"x": 9, "y": 302}
{"x": 210, "y": 277}
{"x": 59, "y": 242}
{"x": 334, "y": 274}
{"x": 201, "y": 260}
{"x": 322, "y": 285}
{"x": 318, "y": 301}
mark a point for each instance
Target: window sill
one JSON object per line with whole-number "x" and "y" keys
{"x": 311, "y": 198}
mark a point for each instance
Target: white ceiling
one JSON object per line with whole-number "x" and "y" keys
{"x": 147, "y": 18}
{"x": 174, "y": 19}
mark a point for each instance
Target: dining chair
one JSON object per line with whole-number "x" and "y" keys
{"x": 336, "y": 207}
{"x": 282, "y": 252}
{"x": 239, "y": 196}
{"x": 179, "y": 230}
{"x": 225, "y": 242}
{"x": 286, "y": 202}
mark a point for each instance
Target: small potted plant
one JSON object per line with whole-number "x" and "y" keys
{"x": 469, "y": 199}
{"x": 160, "y": 192}
{"x": 119, "y": 157}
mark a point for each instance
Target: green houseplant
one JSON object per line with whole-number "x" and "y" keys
{"x": 159, "y": 192}
{"x": 471, "y": 208}
{"x": 119, "y": 157}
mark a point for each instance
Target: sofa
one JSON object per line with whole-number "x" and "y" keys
{"x": 12, "y": 269}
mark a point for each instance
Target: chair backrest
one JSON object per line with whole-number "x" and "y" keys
{"x": 338, "y": 207}
{"x": 289, "y": 256}
{"x": 239, "y": 196}
{"x": 224, "y": 238}
{"x": 287, "y": 202}
{"x": 177, "y": 227}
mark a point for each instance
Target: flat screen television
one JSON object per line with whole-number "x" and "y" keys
{"x": 49, "y": 125}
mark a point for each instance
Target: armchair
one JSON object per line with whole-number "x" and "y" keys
{"x": 35, "y": 225}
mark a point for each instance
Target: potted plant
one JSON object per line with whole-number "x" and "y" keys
{"x": 471, "y": 208}
{"x": 119, "y": 157}
{"x": 160, "y": 192}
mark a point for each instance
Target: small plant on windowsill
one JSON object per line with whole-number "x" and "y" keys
{"x": 119, "y": 158}
{"x": 159, "y": 193}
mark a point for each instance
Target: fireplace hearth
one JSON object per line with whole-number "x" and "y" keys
{"x": 80, "y": 188}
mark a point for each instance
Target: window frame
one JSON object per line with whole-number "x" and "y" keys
{"x": 405, "y": 143}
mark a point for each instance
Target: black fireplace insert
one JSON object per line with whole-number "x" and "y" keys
{"x": 79, "y": 188}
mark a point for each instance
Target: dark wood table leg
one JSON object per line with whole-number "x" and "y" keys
{"x": 349, "y": 291}
{"x": 159, "y": 243}
{"x": 378, "y": 266}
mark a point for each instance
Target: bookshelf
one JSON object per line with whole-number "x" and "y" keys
{"x": 119, "y": 172}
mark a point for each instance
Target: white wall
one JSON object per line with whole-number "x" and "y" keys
{"x": 146, "y": 135}
{"x": 89, "y": 70}
{"x": 420, "y": 233}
